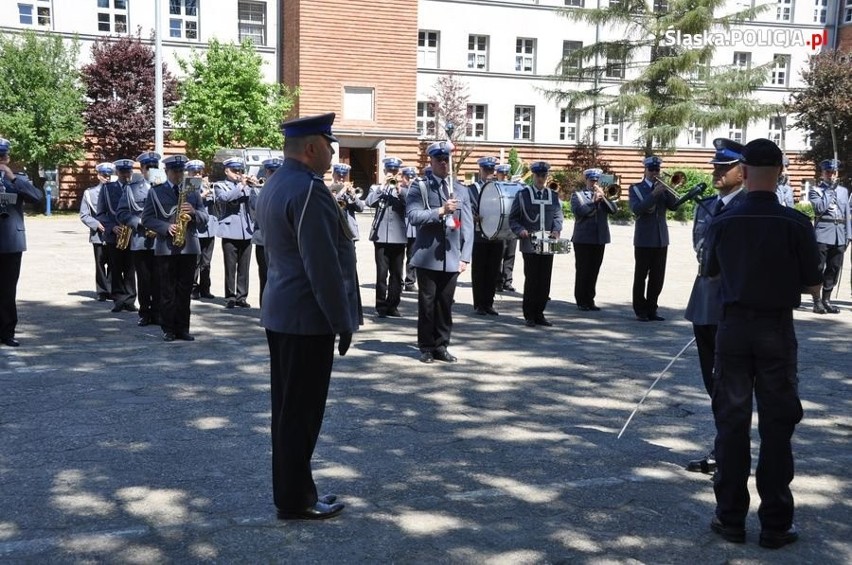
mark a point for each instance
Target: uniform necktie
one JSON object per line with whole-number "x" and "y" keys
{"x": 444, "y": 193}
{"x": 718, "y": 206}
{"x": 538, "y": 195}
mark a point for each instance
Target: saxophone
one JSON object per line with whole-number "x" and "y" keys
{"x": 181, "y": 218}
{"x": 123, "y": 239}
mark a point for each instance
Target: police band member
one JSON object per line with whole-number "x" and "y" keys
{"x": 15, "y": 188}
{"x": 833, "y": 231}
{"x": 175, "y": 263}
{"x": 784, "y": 191}
{"x": 311, "y": 295}
{"x": 649, "y": 201}
{"x": 269, "y": 168}
{"x": 704, "y": 308}
{"x": 407, "y": 176}
{"x": 510, "y": 246}
{"x": 88, "y": 215}
{"x": 765, "y": 255}
{"x": 235, "y": 228}
{"x": 206, "y": 232}
{"x": 388, "y": 233}
{"x": 347, "y": 197}
{"x": 487, "y": 254}
{"x": 536, "y": 213}
{"x": 591, "y": 209}
{"x": 441, "y": 213}
{"x": 121, "y": 269}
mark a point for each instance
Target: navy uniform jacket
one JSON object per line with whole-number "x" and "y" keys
{"x": 390, "y": 210}
{"x": 108, "y": 208}
{"x": 590, "y": 218}
{"x": 257, "y": 234}
{"x": 129, "y": 213}
{"x": 13, "y": 235}
{"x": 350, "y": 206}
{"x": 437, "y": 246}
{"x": 831, "y": 214}
{"x": 705, "y": 302}
{"x": 784, "y": 192}
{"x": 311, "y": 285}
{"x": 651, "y": 229}
{"x": 235, "y": 221}
{"x": 159, "y": 214}
{"x": 206, "y": 231}
{"x": 89, "y": 212}
{"x": 526, "y": 215}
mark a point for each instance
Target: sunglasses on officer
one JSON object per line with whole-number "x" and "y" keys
{"x": 442, "y": 158}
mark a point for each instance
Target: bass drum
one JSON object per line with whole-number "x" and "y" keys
{"x": 495, "y": 203}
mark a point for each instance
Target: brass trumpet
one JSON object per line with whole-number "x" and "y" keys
{"x": 676, "y": 180}
{"x": 122, "y": 241}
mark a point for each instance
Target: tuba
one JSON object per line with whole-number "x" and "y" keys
{"x": 122, "y": 241}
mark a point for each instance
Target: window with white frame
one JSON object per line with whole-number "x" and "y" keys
{"x": 661, "y": 6}
{"x": 780, "y": 70}
{"x": 426, "y": 122}
{"x": 524, "y": 122}
{"x": 251, "y": 22}
{"x": 742, "y": 60}
{"x": 476, "y": 116}
{"x": 574, "y": 3}
{"x": 525, "y": 55}
{"x": 777, "y": 128}
{"x": 574, "y": 68}
{"x": 569, "y": 125}
{"x": 34, "y": 14}
{"x": 614, "y": 68}
{"x": 427, "y": 49}
{"x": 183, "y": 19}
{"x": 611, "y": 128}
{"x": 112, "y": 16}
{"x": 358, "y": 103}
{"x": 847, "y": 12}
{"x": 736, "y": 133}
{"x": 695, "y": 135}
{"x": 820, "y": 11}
{"x": 784, "y": 11}
{"x": 477, "y": 52}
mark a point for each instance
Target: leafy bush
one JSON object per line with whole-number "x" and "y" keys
{"x": 805, "y": 208}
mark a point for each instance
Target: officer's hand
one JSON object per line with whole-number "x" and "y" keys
{"x": 116, "y": 230}
{"x": 450, "y": 206}
{"x": 172, "y": 229}
{"x": 555, "y": 234}
{"x": 524, "y": 234}
{"x": 188, "y": 208}
{"x": 8, "y": 172}
{"x": 462, "y": 266}
{"x": 344, "y": 343}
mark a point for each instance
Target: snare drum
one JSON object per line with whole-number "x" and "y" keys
{"x": 495, "y": 203}
{"x": 550, "y": 246}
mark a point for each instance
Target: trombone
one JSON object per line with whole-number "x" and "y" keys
{"x": 676, "y": 180}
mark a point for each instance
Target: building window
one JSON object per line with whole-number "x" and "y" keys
{"x": 736, "y": 133}
{"x": 820, "y": 11}
{"x": 426, "y": 123}
{"x": 784, "y": 11}
{"x": 569, "y": 125}
{"x": 35, "y": 14}
{"x": 574, "y": 3}
{"x": 358, "y": 103}
{"x": 780, "y": 70}
{"x": 661, "y": 6}
{"x": 476, "y": 114}
{"x": 573, "y": 68}
{"x": 847, "y": 12}
{"x": 742, "y": 60}
{"x": 524, "y": 122}
{"x": 183, "y": 23}
{"x": 112, "y": 16}
{"x": 25, "y": 14}
{"x": 525, "y": 55}
{"x": 252, "y": 22}
{"x": 611, "y": 128}
{"x": 695, "y": 135}
{"x": 777, "y": 127}
{"x": 477, "y": 52}
{"x": 614, "y": 68}
{"x": 427, "y": 49}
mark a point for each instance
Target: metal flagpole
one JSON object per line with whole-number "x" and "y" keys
{"x": 158, "y": 79}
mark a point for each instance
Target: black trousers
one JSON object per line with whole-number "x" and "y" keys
{"x": 650, "y": 265}
{"x": 260, "y": 255}
{"x": 176, "y": 272}
{"x": 389, "y": 263}
{"x": 588, "y": 258}
{"x": 147, "y": 283}
{"x": 538, "y": 270}
{"x": 102, "y": 284}
{"x": 755, "y": 356}
{"x": 830, "y": 263}
{"x": 201, "y": 281}
{"x": 122, "y": 275}
{"x": 705, "y": 341}
{"x": 510, "y": 249}
{"x": 410, "y": 272}
{"x": 237, "y": 253}
{"x": 300, "y": 372}
{"x": 485, "y": 271}
{"x": 435, "y": 291}
{"x": 10, "y": 272}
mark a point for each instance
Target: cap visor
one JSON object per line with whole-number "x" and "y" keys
{"x": 330, "y": 137}
{"x": 723, "y": 161}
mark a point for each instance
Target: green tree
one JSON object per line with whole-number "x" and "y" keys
{"x": 646, "y": 78}
{"x": 225, "y": 103}
{"x": 41, "y": 101}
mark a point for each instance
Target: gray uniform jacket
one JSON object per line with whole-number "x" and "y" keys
{"x": 705, "y": 302}
{"x": 591, "y": 225}
{"x": 527, "y": 215}
{"x": 13, "y": 235}
{"x": 129, "y": 213}
{"x": 651, "y": 229}
{"x": 351, "y": 206}
{"x": 390, "y": 214}
{"x": 784, "y": 192}
{"x": 257, "y": 234}
{"x": 235, "y": 221}
{"x": 108, "y": 208}
{"x": 831, "y": 214}
{"x": 311, "y": 285}
{"x": 438, "y": 246}
{"x": 160, "y": 213}
{"x": 88, "y": 213}
{"x": 209, "y": 202}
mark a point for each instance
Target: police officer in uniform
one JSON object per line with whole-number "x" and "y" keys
{"x": 649, "y": 201}
{"x": 206, "y": 233}
{"x": 407, "y": 176}
{"x": 311, "y": 296}
{"x": 441, "y": 213}
{"x": 346, "y": 197}
{"x": 235, "y": 228}
{"x": 121, "y": 269}
{"x": 536, "y": 210}
{"x": 765, "y": 255}
{"x": 591, "y": 210}
{"x": 15, "y": 188}
{"x": 175, "y": 264}
{"x": 833, "y": 230}
{"x": 269, "y": 168}
{"x": 784, "y": 191}
{"x": 388, "y": 234}
{"x": 704, "y": 307}
{"x": 487, "y": 254}
{"x": 510, "y": 246}
{"x": 88, "y": 215}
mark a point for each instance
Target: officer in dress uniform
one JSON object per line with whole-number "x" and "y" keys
{"x": 784, "y": 191}
{"x": 442, "y": 249}
{"x": 510, "y": 246}
{"x": 206, "y": 233}
{"x": 388, "y": 234}
{"x": 175, "y": 263}
{"x": 88, "y": 215}
{"x": 833, "y": 231}
{"x": 269, "y": 168}
{"x": 591, "y": 210}
{"x": 346, "y": 197}
{"x": 487, "y": 254}
{"x": 536, "y": 211}
{"x": 649, "y": 201}
{"x": 129, "y": 213}
{"x": 121, "y": 269}
{"x": 15, "y": 188}
{"x": 310, "y": 296}
{"x": 407, "y": 176}
{"x": 765, "y": 255}
{"x": 704, "y": 308}
{"x": 236, "y": 227}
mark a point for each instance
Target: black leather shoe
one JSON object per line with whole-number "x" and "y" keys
{"x": 195, "y": 295}
{"x": 410, "y": 288}
{"x": 427, "y": 357}
{"x": 594, "y": 308}
{"x": 655, "y": 318}
{"x": 705, "y": 465}
{"x": 103, "y": 297}
{"x": 184, "y": 336}
{"x": 130, "y": 308}
{"x": 643, "y": 318}
{"x": 243, "y": 304}
{"x": 508, "y": 288}
{"x": 231, "y": 304}
{"x": 480, "y": 311}
{"x": 491, "y": 311}
{"x": 394, "y": 313}
{"x": 829, "y": 307}
{"x": 775, "y": 540}
{"x": 319, "y": 511}
{"x": 168, "y": 336}
{"x": 444, "y": 355}
{"x": 117, "y": 308}
{"x": 207, "y": 295}
{"x": 381, "y": 314}
{"x": 583, "y": 308}
{"x": 10, "y": 341}
{"x": 143, "y": 321}
{"x": 328, "y": 498}
{"x": 818, "y": 306}
{"x": 529, "y": 323}
{"x": 728, "y": 533}
{"x": 544, "y": 322}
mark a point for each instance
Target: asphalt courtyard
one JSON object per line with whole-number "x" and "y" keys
{"x": 116, "y": 447}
